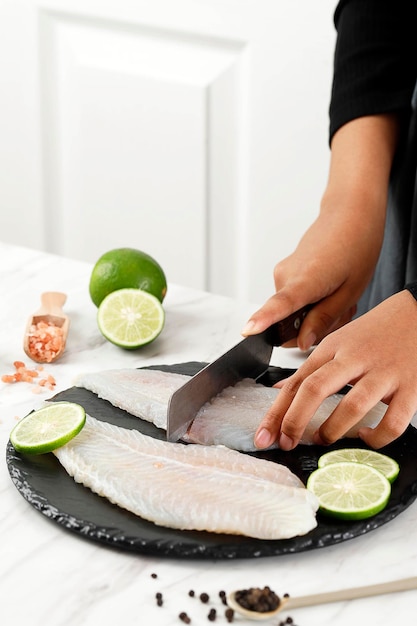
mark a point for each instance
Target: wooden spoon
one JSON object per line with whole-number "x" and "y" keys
{"x": 404, "y": 584}
{"x": 50, "y": 313}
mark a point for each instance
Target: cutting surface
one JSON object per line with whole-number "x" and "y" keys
{"x": 43, "y": 482}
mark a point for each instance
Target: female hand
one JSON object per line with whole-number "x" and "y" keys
{"x": 335, "y": 259}
{"x": 330, "y": 267}
{"x": 377, "y": 354}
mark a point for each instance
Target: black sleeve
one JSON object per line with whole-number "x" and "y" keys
{"x": 375, "y": 63}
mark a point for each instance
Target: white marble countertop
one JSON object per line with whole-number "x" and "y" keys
{"x": 51, "y": 577}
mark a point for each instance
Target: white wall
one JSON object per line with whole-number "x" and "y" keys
{"x": 294, "y": 172}
{"x": 283, "y": 49}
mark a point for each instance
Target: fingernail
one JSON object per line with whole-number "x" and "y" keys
{"x": 249, "y": 328}
{"x": 285, "y": 442}
{"x": 263, "y": 439}
{"x": 309, "y": 341}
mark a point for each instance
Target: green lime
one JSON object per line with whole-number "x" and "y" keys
{"x": 48, "y": 428}
{"x": 130, "y": 318}
{"x": 379, "y": 461}
{"x": 123, "y": 268}
{"x": 349, "y": 490}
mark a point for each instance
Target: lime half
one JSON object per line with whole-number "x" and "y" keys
{"x": 350, "y": 490}
{"x": 379, "y": 461}
{"x": 130, "y": 318}
{"x": 48, "y": 428}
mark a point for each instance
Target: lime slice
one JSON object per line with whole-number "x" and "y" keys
{"x": 48, "y": 428}
{"x": 379, "y": 461}
{"x": 349, "y": 490}
{"x": 130, "y": 318}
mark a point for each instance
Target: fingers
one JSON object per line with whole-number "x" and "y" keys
{"x": 325, "y": 317}
{"x": 376, "y": 353}
{"x": 345, "y": 318}
{"x": 353, "y": 409}
{"x": 269, "y": 430}
{"x": 299, "y": 398}
{"x": 394, "y": 423}
{"x": 308, "y": 393}
{"x": 323, "y": 374}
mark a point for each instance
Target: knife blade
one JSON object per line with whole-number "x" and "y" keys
{"x": 248, "y": 359}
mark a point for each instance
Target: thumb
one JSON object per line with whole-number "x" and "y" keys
{"x": 276, "y": 308}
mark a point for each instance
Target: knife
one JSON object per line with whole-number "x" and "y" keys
{"x": 248, "y": 359}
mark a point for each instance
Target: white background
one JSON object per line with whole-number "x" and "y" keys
{"x": 196, "y": 130}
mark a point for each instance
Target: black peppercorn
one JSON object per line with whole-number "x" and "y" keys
{"x": 204, "y": 597}
{"x": 212, "y": 615}
{"x": 256, "y": 599}
{"x": 222, "y": 595}
{"x": 184, "y": 618}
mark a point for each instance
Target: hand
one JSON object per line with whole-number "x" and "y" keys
{"x": 330, "y": 267}
{"x": 377, "y": 353}
{"x": 335, "y": 259}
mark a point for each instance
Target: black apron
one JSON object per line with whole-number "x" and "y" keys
{"x": 397, "y": 264}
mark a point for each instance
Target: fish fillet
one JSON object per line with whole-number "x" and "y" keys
{"x": 189, "y": 487}
{"x": 230, "y": 419}
{"x": 233, "y": 416}
{"x": 141, "y": 392}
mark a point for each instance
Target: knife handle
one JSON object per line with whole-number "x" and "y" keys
{"x": 288, "y": 328}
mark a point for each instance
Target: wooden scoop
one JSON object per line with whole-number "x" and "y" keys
{"x": 288, "y": 603}
{"x": 48, "y": 344}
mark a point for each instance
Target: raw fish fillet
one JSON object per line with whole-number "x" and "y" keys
{"x": 233, "y": 416}
{"x": 189, "y": 487}
{"x": 141, "y": 392}
{"x": 229, "y": 419}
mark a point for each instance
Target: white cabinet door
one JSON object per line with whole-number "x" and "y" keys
{"x": 195, "y": 130}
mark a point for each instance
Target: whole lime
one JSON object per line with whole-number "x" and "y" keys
{"x": 124, "y": 268}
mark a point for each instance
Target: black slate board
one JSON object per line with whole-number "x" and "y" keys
{"x": 43, "y": 482}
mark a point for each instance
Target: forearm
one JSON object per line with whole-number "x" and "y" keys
{"x": 362, "y": 152}
{"x": 336, "y": 257}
